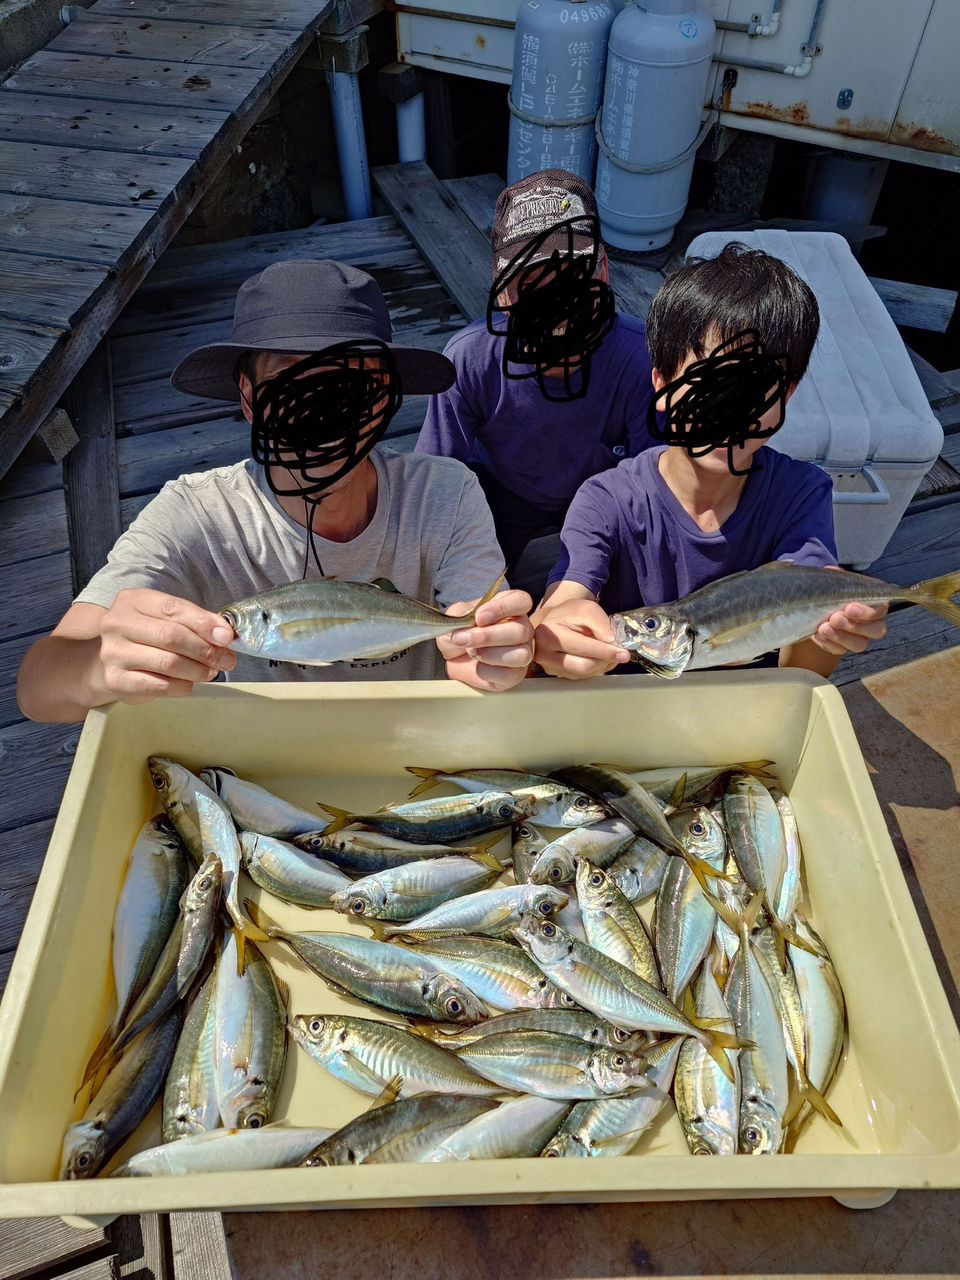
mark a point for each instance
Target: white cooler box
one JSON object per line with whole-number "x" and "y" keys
{"x": 859, "y": 412}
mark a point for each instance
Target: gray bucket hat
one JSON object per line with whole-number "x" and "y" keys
{"x": 307, "y": 306}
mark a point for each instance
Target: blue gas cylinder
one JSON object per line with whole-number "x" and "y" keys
{"x": 559, "y": 56}
{"x": 658, "y": 66}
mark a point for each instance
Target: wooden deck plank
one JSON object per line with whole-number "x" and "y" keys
{"x": 142, "y": 1246}
{"x": 37, "y": 227}
{"x": 23, "y": 348}
{"x": 42, "y": 590}
{"x": 477, "y": 197}
{"x": 30, "y": 477}
{"x": 925, "y": 544}
{"x": 6, "y": 962}
{"x": 288, "y": 15}
{"x": 42, "y": 755}
{"x": 34, "y": 396}
{"x": 106, "y": 125}
{"x": 135, "y": 80}
{"x": 215, "y": 44}
{"x": 457, "y": 252}
{"x": 47, "y": 291}
{"x": 147, "y": 462}
{"x": 23, "y": 853}
{"x": 11, "y": 655}
{"x": 90, "y": 469}
{"x": 30, "y": 527}
{"x": 199, "y": 1247}
{"x": 90, "y": 176}
{"x": 229, "y": 263}
{"x": 31, "y": 1244}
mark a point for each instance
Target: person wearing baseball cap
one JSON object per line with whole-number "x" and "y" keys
{"x": 313, "y": 366}
{"x": 553, "y": 385}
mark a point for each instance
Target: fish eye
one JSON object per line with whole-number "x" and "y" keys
{"x": 567, "y": 1000}
{"x": 205, "y": 883}
{"x": 551, "y": 1155}
{"x": 556, "y": 873}
{"x": 596, "y": 879}
{"x": 84, "y": 1160}
{"x": 545, "y": 908}
{"x": 158, "y": 780}
{"x": 621, "y": 1035}
{"x": 255, "y": 1121}
{"x": 505, "y": 811}
{"x": 358, "y": 906}
{"x": 524, "y": 833}
{"x": 650, "y": 624}
{"x": 701, "y": 1150}
{"x": 752, "y": 1137}
{"x": 619, "y": 1060}
{"x": 315, "y": 1025}
{"x": 454, "y": 1007}
{"x": 265, "y": 615}
{"x": 698, "y": 828}
{"x": 582, "y": 802}
{"x": 229, "y": 617}
{"x": 548, "y": 930}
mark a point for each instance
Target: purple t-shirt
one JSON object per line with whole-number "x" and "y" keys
{"x": 629, "y": 541}
{"x": 540, "y": 450}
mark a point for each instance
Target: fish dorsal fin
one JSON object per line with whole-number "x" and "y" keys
{"x": 384, "y": 584}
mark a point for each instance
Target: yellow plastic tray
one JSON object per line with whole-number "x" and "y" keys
{"x": 898, "y": 1089}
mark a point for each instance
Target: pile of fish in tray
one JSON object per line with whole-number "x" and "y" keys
{"x": 543, "y": 1015}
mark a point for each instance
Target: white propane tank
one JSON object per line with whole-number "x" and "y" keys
{"x": 559, "y": 56}
{"x": 658, "y": 65}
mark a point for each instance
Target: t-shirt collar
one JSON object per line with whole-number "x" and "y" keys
{"x": 752, "y": 494}
{"x": 374, "y": 529}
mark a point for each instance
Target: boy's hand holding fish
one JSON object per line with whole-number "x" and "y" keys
{"x": 496, "y": 653}
{"x": 574, "y": 639}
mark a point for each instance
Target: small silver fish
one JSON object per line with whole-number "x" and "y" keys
{"x": 491, "y": 911}
{"x": 364, "y": 853}
{"x": 498, "y": 973}
{"x": 190, "y": 1103}
{"x": 602, "y": 843}
{"x": 415, "y": 888}
{"x": 555, "y": 804}
{"x": 251, "y": 1039}
{"x": 289, "y": 873}
{"x": 612, "y": 924}
{"x": 254, "y": 808}
{"x": 518, "y": 1127}
{"x": 685, "y": 920}
{"x": 460, "y": 817}
{"x": 565, "y": 1022}
{"x": 278, "y": 1146}
{"x": 407, "y": 1129}
{"x": 555, "y": 1066}
{"x": 708, "y": 1102}
{"x": 367, "y": 1054}
{"x": 332, "y": 620}
{"x": 526, "y": 843}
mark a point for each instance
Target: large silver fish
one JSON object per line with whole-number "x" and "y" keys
{"x": 555, "y": 1066}
{"x": 275, "y": 1146}
{"x": 123, "y": 1100}
{"x": 407, "y": 1129}
{"x": 565, "y": 1022}
{"x": 613, "y": 1126}
{"x": 368, "y": 1054}
{"x": 190, "y": 1102}
{"x": 498, "y": 973}
{"x": 555, "y": 804}
{"x": 708, "y": 1101}
{"x": 685, "y": 919}
{"x": 460, "y": 817}
{"x": 417, "y": 887}
{"x": 612, "y": 924}
{"x": 289, "y": 873}
{"x": 490, "y": 911}
{"x": 363, "y": 853}
{"x": 254, "y": 808}
{"x": 316, "y": 623}
{"x": 383, "y": 975}
{"x": 740, "y": 617}
{"x": 609, "y": 989}
{"x": 518, "y": 1127}
{"x": 251, "y": 1039}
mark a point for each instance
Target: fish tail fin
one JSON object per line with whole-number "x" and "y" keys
{"x": 341, "y": 818}
{"x": 488, "y": 595}
{"x": 758, "y": 768}
{"x": 678, "y": 793}
{"x": 809, "y": 1093}
{"x": 102, "y": 1050}
{"x": 428, "y": 1030}
{"x": 703, "y": 870}
{"x": 936, "y": 594}
{"x": 245, "y": 931}
{"x": 784, "y": 933}
{"x": 486, "y": 858}
{"x": 715, "y": 1042}
{"x": 260, "y": 928}
{"x": 430, "y": 778}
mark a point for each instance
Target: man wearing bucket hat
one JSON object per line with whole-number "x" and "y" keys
{"x": 553, "y": 386}
{"x": 314, "y": 367}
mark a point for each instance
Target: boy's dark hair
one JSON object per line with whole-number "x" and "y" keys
{"x": 709, "y": 300}
{"x": 247, "y": 365}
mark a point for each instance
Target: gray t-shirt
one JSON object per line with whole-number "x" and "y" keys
{"x": 218, "y": 536}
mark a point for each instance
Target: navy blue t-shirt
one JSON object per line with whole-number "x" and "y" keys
{"x": 539, "y": 449}
{"x": 628, "y": 539}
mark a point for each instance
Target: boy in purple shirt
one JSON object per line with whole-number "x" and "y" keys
{"x": 553, "y": 387}
{"x": 666, "y": 523}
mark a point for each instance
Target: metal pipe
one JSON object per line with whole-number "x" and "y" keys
{"x": 808, "y": 50}
{"x": 753, "y": 28}
{"x": 412, "y": 130}
{"x": 351, "y": 143}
